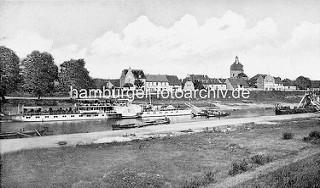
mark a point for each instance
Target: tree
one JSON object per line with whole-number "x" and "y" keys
{"x": 288, "y": 81}
{"x": 198, "y": 85}
{"x": 128, "y": 85}
{"x": 39, "y": 73}
{"x": 9, "y": 71}
{"x": 253, "y": 81}
{"x": 73, "y": 73}
{"x": 303, "y": 82}
{"x": 138, "y": 83}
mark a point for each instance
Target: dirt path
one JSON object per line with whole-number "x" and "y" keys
{"x": 11, "y": 145}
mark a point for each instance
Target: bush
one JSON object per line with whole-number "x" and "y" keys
{"x": 261, "y": 159}
{"x": 238, "y": 168}
{"x": 314, "y": 135}
{"x": 287, "y": 136}
{"x": 200, "y": 181}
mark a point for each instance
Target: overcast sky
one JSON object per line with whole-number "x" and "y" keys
{"x": 181, "y": 37}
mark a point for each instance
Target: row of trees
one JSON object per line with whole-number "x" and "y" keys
{"x": 39, "y": 75}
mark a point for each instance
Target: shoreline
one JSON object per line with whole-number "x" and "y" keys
{"x": 12, "y": 145}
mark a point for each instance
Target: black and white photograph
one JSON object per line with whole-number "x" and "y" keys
{"x": 160, "y": 93}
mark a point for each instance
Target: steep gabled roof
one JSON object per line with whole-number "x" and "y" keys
{"x": 173, "y": 80}
{"x": 137, "y": 73}
{"x": 238, "y": 81}
{"x": 156, "y": 78}
{"x": 199, "y": 77}
{"x": 213, "y": 81}
{"x": 114, "y": 82}
{"x": 223, "y": 80}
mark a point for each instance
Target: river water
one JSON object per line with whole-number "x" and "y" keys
{"x": 86, "y": 126}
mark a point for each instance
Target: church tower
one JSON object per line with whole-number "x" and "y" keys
{"x": 236, "y": 68}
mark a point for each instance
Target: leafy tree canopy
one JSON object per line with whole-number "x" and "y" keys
{"x": 39, "y": 73}
{"x": 303, "y": 82}
{"x": 73, "y": 73}
{"x": 138, "y": 83}
{"x": 9, "y": 71}
{"x": 198, "y": 85}
{"x": 242, "y": 75}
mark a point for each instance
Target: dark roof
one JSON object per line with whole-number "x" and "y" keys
{"x": 99, "y": 82}
{"x": 236, "y": 65}
{"x": 277, "y": 80}
{"x": 223, "y": 80}
{"x": 255, "y": 78}
{"x": 238, "y": 81}
{"x": 315, "y": 84}
{"x": 199, "y": 77}
{"x": 156, "y": 78}
{"x": 115, "y": 82}
{"x": 137, "y": 73}
{"x": 288, "y": 84}
{"x": 213, "y": 81}
{"x": 173, "y": 80}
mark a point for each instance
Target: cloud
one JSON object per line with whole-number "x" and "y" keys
{"x": 68, "y": 52}
{"x": 190, "y": 47}
{"x": 25, "y": 41}
{"x": 184, "y": 44}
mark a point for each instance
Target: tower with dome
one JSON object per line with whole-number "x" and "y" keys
{"x": 236, "y": 68}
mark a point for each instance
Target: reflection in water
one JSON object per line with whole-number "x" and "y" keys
{"x": 86, "y": 126}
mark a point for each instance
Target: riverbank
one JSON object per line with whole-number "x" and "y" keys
{"x": 11, "y": 145}
{"x": 190, "y": 158}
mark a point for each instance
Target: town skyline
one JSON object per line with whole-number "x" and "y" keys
{"x": 179, "y": 38}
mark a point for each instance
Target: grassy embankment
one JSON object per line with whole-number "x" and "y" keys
{"x": 184, "y": 161}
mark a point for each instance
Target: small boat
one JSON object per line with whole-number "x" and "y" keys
{"x": 126, "y": 126}
{"x": 158, "y": 121}
{"x": 139, "y": 125}
{"x": 217, "y": 113}
{"x": 24, "y": 134}
{"x": 211, "y": 112}
{"x": 201, "y": 113}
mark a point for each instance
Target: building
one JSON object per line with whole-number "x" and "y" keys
{"x": 188, "y": 86}
{"x": 315, "y": 85}
{"x": 236, "y": 83}
{"x": 236, "y": 68}
{"x": 289, "y": 87}
{"x": 174, "y": 83}
{"x": 263, "y": 82}
{"x": 130, "y": 76}
{"x": 278, "y": 84}
{"x": 197, "y": 77}
{"x": 214, "y": 84}
{"x": 112, "y": 83}
{"x": 156, "y": 82}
